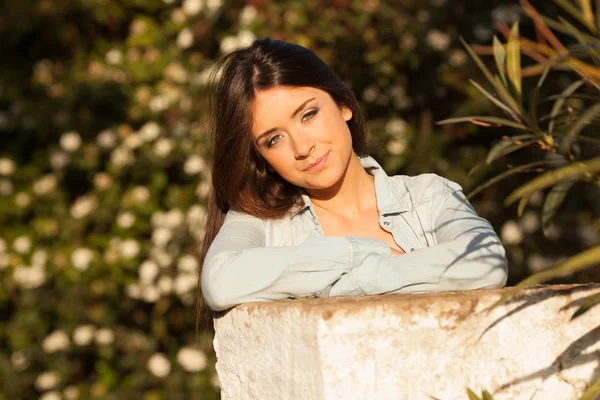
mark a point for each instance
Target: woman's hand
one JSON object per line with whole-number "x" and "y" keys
{"x": 396, "y": 252}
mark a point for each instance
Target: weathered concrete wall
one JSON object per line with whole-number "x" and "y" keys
{"x": 411, "y": 347}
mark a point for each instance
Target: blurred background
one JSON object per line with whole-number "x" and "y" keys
{"x": 103, "y": 179}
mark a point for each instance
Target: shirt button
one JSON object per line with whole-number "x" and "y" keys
{"x": 386, "y": 223}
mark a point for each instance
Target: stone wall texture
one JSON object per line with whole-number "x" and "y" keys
{"x": 418, "y": 346}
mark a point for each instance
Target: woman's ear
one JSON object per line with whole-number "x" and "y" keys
{"x": 346, "y": 114}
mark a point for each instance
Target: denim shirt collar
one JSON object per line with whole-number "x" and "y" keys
{"x": 388, "y": 200}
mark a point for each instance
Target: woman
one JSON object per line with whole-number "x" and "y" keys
{"x": 299, "y": 209}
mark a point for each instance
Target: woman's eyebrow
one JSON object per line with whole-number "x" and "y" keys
{"x": 293, "y": 115}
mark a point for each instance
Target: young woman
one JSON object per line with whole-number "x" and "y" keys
{"x": 299, "y": 209}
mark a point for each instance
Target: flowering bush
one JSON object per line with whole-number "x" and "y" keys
{"x": 103, "y": 179}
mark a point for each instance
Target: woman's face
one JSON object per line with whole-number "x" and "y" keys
{"x": 303, "y": 135}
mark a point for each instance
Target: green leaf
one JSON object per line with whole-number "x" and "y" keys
{"x": 592, "y": 392}
{"x": 500, "y": 57}
{"x": 551, "y": 178}
{"x": 582, "y": 121}
{"x": 492, "y": 98}
{"x": 507, "y": 146}
{"x": 513, "y": 58}
{"x": 485, "y": 395}
{"x": 587, "y": 305}
{"x": 508, "y": 173}
{"x": 489, "y": 120}
{"x": 472, "y": 396}
{"x": 578, "y": 262}
{"x": 523, "y": 203}
{"x": 553, "y": 201}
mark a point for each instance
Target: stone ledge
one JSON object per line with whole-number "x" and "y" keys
{"x": 417, "y": 346}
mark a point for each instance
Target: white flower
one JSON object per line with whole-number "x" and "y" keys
{"x": 530, "y": 222}
{"x": 130, "y": 248}
{"x": 102, "y": 181}
{"x": 150, "y": 131}
{"x": 7, "y": 166}
{"x": 511, "y": 233}
{"x": 126, "y": 220}
{"x": 83, "y": 334}
{"x": 22, "y": 244}
{"x": 192, "y": 7}
{"x": 133, "y": 141}
{"x": 133, "y": 290}
{"x": 114, "y": 56}
{"x": 245, "y": 38}
{"x": 196, "y": 215}
{"x": 161, "y": 236}
{"x": 203, "y": 189}
{"x": 457, "y": 58}
{"x": 122, "y": 157}
{"x": 22, "y": 199}
{"x": 192, "y": 360}
{"x": 163, "y": 147}
{"x": 247, "y": 15}
{"x": 175, "y": 72}
{"x": 185, "y": 39}
{"x": 104, "y": 336}
{"x": 396, "y": 126}
{"x": 18, "y": 361}
{"x": 39, "y": 257}
{"x": 213, "y": 5}
{"x": 58, "y": 159}
{"x": 106, "y": 139}
{"x": 6, "y": 187}
{"x": 184, "y": 283}
{"x": 188, "y": 264}
{"x": 3, "y": 245}
{"x": 178, "y": 16}
{"x": 150, "y": 294}
{"x": 47, "y": 380}
{"x": 45, "y": 185}
{"x": 148, "y": 272}
{"x": 140, "y": 194}
{"x": 71, "y": 393}
{"x": 163, "y": 258}
{"x": 589, "y": 236}
{"x": 438, "y": 40}
{"x": 228, "y": 44}
{"x": 408, "y": 42}
{"x": 70, "y": 141}
{"x": 194, "y": 165}
{"x": 215, "y": 382}
{"x": 159, "y": 103}
{"x": 53, "y": 395}
{"x": 159, "y": 365}
{"x": 396, "y": 147}
{"x": 56, "y": 341}
{"x": 81, "y": 258}
{"x": 29, "y": 277}
{"x": 83, "y": 206}
{"x": 173, "y": 218}
{"x": 371, "y": 93}
{"x": 165, "y": 284}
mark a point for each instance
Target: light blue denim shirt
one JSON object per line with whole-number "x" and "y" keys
{"x": 448, "y": 247}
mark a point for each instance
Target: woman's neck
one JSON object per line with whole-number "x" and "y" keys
{"x": 353, "y": 194}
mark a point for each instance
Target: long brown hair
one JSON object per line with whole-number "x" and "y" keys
{"x": 240, "y": 177}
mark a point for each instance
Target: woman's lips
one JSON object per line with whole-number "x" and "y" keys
{"x": 319, "y": 164}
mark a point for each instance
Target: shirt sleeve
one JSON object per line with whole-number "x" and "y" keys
{"x": 468, "y": 255}
{"x": 238, "y": 268}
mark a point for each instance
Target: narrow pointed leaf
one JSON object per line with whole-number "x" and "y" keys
{"x": 592, "y": 392}
{"x": 492, "y": 98}
{"x": 582, "y": 121}
{"x": 587, "y": 305}
{"x": 513, "y": 58}
{"x": 505, "y": 147}
{"x": 587, "y": 13}
{"x": 575, "y": 13}
{"x": 472, "y": 396}
{"x": 561, "y": 101}
{"x": 489, "y": 120}
{"x": 551, "y": 178}
{"x": 553, "y": 201}
{"x": 578, "y": 262}
{"x": 523, "y": 203}
{"x": 485, "y": 395}
{"x": 508, "y": 173}
{"x": 500, "y": 57}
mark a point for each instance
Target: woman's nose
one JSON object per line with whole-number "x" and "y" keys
{"x": 303, "y": 146}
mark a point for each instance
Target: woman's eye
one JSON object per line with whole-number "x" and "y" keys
{"x": 273, "y": 140}
{"x": 309, "y": 115}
